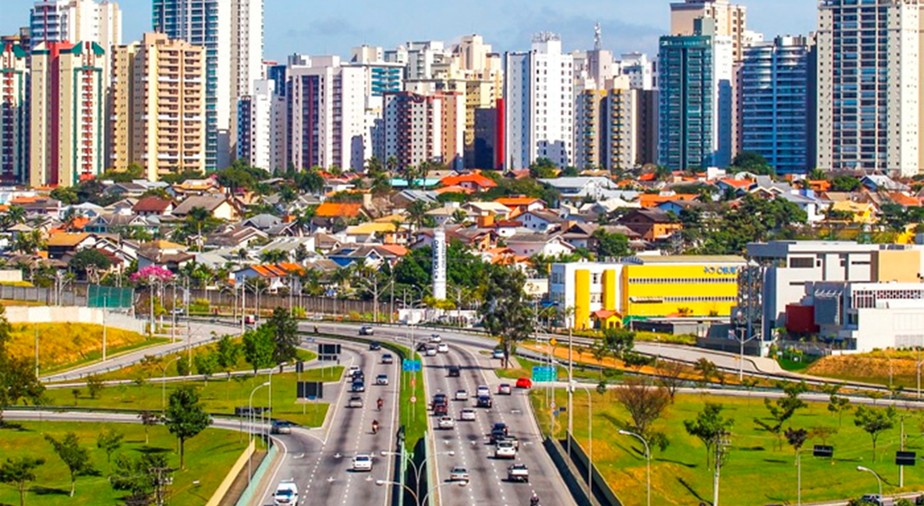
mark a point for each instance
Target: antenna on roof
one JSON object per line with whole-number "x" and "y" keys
{"x": 598, "y": 35}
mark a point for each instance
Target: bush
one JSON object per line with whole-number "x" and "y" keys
{"x": 200, "y": 306}
{"x": 183, "y": 367}
{"x": 299, "y": 313}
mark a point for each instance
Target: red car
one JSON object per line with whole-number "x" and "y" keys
{"x": 524, "y": 383}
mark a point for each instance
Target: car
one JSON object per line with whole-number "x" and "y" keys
{"x": 362, "y": 462}
{"x": 352, "y": 370}
{"x": 509, "y": 439}
{"x": 461, "y": 395}
{"x": 873, "y": 499}
{"x": 435, "y": 338}
{"x": 483, "y": 390}
{"x": 358, "y": 386}
{"x": 281, "y": 427}
{"x": 431, "y": 352}
{"x": 250, "y": 319}
{"x": 504, "y": 389}
{"x": 388, "y": 358}
{"x": 440, "y": 398}
{"x": 366, "y": 330}
{"x": 422, "y": 347}
{"x": 458, "y": 474}
{"x": 505, "y": 451}
{"x": 518, "y": 472}
{"x": 467, "y": 415}
{"x": 919, "y": 501}
{"x": 524, "y": 383}
{"x": 286, "y": 494}
{"x": 443, "y": 348}
{"x": 355, "y": 402}
{"x": 498, "y": 432}
{"x": 454, "y": 371}
{"x": 374, "y": 345}
{"x": 440, "y": 410}
{"x": 484, "y": 401}
{"x": 498, "y": 353}
{"x": 446, "y": 422}
{"x": 381, "y": 379}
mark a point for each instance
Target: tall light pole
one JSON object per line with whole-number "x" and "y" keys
{"x": 874, "y": 473}
{"x": 590, "y": 438}
{"x": 570, "y": 378}
{"x": 742, "y": 339}
{"x": 250, "y": 427}
{"x": 415, "y": 467}
{"x": 104, "y": 328}
{"x": 647, "y": 460}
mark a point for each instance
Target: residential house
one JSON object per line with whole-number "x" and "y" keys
{"x": 372, "y": 232}
{"x": 577, "y": 188}
{"x": 165, "y": 254}
{"x": 405, "y": 198}
{"x": 237, "y": 236}
{"x": 807, "y": 201}
{"x": 473, "y": 181}
{"x": 522, "y": 204}
{"x": 276, "y": 276}
{"x": 64, "y": 244}
{"x": 650, "y": 224}
{"x": 372, "y": 254}
{"x": 335, "y": 215}
{"x": 865, "y": 213}
{"x": 531, "y": 243}
{"x": 262, "y": 222}
{"x": 296, "y": 249}
{"x": 113, "y": 223}
{"x": 878, "y": 182}
{"x": 540, "y": 220}
{"x": 218, "y": 206}
{"x": 153, "y": 206}
{"x": 651, "y": 200}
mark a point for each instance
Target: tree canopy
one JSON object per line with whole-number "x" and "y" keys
{"x": 185, "y": 417}
{"x": 506, "y": 312}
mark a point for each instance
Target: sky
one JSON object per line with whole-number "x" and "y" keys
{"x": 319, "y": 27}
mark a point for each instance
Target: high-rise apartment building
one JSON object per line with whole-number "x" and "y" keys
{"x": 696, "y": 102}
{"x": 14, "y": 112}
{"x": 539, "y": 104}
{"x": 776, "y": 103}
{"x": 231, "y": 31}
{"x": 606, "y": 126}
{"x": 730, "y": 21}
{"x": 327, "y": 104}
{"x": 158, "y": 106}
{"x": 424, "y": 128}
{"x": 261, "y": 131}
{"x": 73, "y": 20}
{"x": 869, "y": 85}
{"x": 66, "y": 113}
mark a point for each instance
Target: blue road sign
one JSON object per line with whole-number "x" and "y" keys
{"x": 543, "y": 373}
{"x": 410, "y": 365}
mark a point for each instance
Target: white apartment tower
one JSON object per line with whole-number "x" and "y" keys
{"x": 261, "y": 132}
{"x": 232, "y": 33}
{"x": 730, "y": 21}
{"x": 869, "y": 85}
{"x": 76, "y": 20}
{"x": 539, "y": 104}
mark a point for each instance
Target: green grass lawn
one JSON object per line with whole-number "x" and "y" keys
{"x": 756, "y": 473}
{"x": 412, "y": 415}
{"x": 220, "y": 395}
{"x": 148, "y": 371}
{"x": 95, "y": 355}
{"x": 209, "y": 457}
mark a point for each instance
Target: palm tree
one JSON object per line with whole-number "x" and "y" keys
{"x": 14, "y": 216}
{"x": 417, "y": 212}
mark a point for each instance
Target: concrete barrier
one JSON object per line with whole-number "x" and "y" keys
{"x": 569, "y": 473}
{"x": 601, "y": 489}
{"x": 252, "y": 492}
{"x": 225, "y": 485}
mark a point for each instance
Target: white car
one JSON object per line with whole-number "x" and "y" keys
{"x": 352, "y": 370}
{"x": 461, "y": 395}
{"x": 355, "y": 402}
{"x": 443, "y": 348}
{"x": 483, "y": 391}
{"x": 362, "y": 462}
{"x": 286, "y": 494}
{"x": 446, "y": 422}
{"x": 505, "y": 450}
{"x": 431, "y": 352}
{"x": 381, "y": 379}
{"x": 504, "y": 389}
{"x": 467, "y": 415}
{"x": 498, "y": 353}
{"x": 435, "y": 338}
{"x": 458, "y": 474}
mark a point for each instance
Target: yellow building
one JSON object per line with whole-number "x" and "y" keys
{"x": 158, "y": 106}
{"x": 607, "y": 295}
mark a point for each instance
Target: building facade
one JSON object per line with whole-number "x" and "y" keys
{"x": 14, "y": 112}
{"x": 539, "y": 104}
{"x": 67, "y": 104}
{"x": 606, "y": 126}
{"x": 730, "y": 20}
{"x": 775, "y": 104}
{"x": 261, "y": 131}
{"x": 424, "y": 128}
{"x": 73, "y": 20}
{"x": 869, "y": 86}
{"x": 158, "y": 106}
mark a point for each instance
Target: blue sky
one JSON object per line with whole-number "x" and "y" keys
{"x": 333, "y": 27}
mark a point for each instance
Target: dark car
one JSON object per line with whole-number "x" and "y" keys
{"x": 440, "y": 410}
{"x": 281, "y": 427}
{"x": 440, "y": 399}
{"x": 498, "y": 431}
{"x": 374, "y": 346}
{"x": 454, "y": 371}
{"x": 421, "y": 347}
{"x": 358, "y": 386}
{"x": 484, "y": 401}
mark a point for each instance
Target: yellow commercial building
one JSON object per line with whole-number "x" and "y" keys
{"x": 607, "y": 295}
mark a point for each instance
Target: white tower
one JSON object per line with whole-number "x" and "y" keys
{"x": 439, "y": 264}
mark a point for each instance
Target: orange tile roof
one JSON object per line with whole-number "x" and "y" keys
{"x": 25, "y": 200}
{"x": 904, "y": 200}
{"x": 454, "y": 189}
{"x": 395, "y": 249}
{"x": 472, "y": 178}
{"x": 651, "y": 176}
{"x": 279, "y": 270}
{"x": 79, "y": 222}
{"x": 653, "y": 200}
{"x": 516, "y": 201}
{"x": 66, "y": 240}
{"x": 335, "y": 210}
{"x": 819, "y": 185}
{"x": 737, "y": 183}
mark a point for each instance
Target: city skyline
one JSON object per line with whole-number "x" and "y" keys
{"x": 627, "y": 26}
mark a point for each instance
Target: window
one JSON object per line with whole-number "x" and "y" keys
{"x": 801, "y": 263}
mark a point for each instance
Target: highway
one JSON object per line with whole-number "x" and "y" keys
{"x": 319, "y": 461}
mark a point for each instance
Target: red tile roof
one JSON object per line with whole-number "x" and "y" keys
{"x": 151, "y": 205}
{"x": 473, "y": 178}
{"x": 338, "y": 210}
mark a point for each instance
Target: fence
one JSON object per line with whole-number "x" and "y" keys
{"x": 230, "y": 301}
{"x": 45, "y": 296}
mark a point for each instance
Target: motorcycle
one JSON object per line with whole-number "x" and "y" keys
{"x": 375, "y": 427}
{"x": 534, "y": 501}
{"x": 379, "y": 404}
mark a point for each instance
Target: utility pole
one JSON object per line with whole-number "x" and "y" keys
{"x": 36, "y": 352}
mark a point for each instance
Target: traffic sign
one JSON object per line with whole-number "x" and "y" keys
{"x": 553, "y": 342}
{"x": 413, "y": 399}
{"x": 408, "y": 365}
{"x": 543, "y": 373}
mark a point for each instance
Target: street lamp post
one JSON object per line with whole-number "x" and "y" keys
{"x": 414, "y": 466}
{"x": 874, "y": 473}
{"x": 163, "y": 385}
{"x": 250, "y": 427}
{"x": 739, "y": 316}
{"x": 590, "y": 437}
{"x": 647, "y": 460}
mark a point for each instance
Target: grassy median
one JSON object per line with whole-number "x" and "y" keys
{"x": 209, "y": 457}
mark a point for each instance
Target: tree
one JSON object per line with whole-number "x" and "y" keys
{"x": 95, "y": 385}
{"x": 67, "y": 195}
{"x": 822, "y": 432}
{"x": 148, "y": 419}
{"x": 143, "y": 477}
{"x": 645, "y": 404}
{"x": 74, "y": 456}
{"x": 17, "y": 374}
{"x": 206, "y": 364}
{"x": 610, "y": 245}
{"x": 837, "y": 404}
{"x": 185, "y": 417}
{"x": 543, "y": 168}
{"x": 274, "y": 256}
{"x": 874, "y": 422}
{"x": 782, "y": 409}
{"x": 506, "y": 312}
{"x": 707, "y": 370}
{"x": 109, "y": 441}
{"x": 844, "y": 183}
{"x": 755, "y": 163}
{"x": 227, "y": 352}
{"x": 796, "y": 438}
{"x": 670, "y": 376}
{"x": 709, "y": 427}
{"x": 89, "y": 258}
{"x": 20, "y": 472}
{"x": 259, "y": 347}
{"x": 618, "y": 342}
{"x": 285, "y": 334}
{"x": 183, "y": 367}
